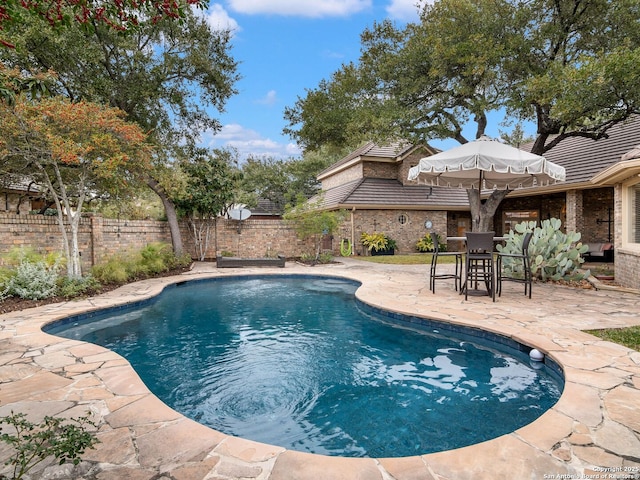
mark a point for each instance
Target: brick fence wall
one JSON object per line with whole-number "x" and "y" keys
{"x": 101, "y": 237}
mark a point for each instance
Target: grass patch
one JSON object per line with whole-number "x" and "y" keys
{"x": 414, "y": 259}
{"x": 629, "y": 337}
{"x": 397, "y": 259}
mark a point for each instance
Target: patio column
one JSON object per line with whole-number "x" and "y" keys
{"x": 575, "y": 212}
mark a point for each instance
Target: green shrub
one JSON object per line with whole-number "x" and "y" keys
{"x": 425, "y": 244}
{"x": 307, "y": 257}
{"x": 554, "y": 255}
{"x": 75, "y": 287}
{"x": 65, "y": 440}
{"x": 34, "y": 281}
{"x": 5, "y": 277}
{"x": 153, "y": 259}
{"x": 377, "y": 241}
{"x": 157, "y": 258}
{"x": 114, "y": 270}
{"x": 325, "y": 257}
{"x": 17, "y": 255}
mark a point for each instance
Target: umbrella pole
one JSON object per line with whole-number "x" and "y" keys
{"x": 476, "y": 226}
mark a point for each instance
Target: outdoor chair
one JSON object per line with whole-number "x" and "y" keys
{"x": 479, "y": 264}
{"x": 516, "y": 260}
{"x": 434, "y": 275}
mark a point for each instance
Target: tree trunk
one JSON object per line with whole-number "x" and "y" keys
{"x": 482, "y": 213}
{"x": 172, "y": 216}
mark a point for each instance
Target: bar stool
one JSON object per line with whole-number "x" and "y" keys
{"x": 527, "y": 276}
{"x": 433, "y": 275}
{"x": 479, "y": 263}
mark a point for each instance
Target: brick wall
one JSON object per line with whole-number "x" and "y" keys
{"x": 100, "y": 238}
{"x": 627, "y": 267}
{"x": 388, "y": 222}
{"x": 379, "y": 170}
{"x": 345, "y": 176}
{"x": 256, "y": 238}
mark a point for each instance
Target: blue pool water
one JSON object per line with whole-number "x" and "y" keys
{"x": 298, "y": 362}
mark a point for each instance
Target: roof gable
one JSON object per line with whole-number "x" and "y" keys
{"x": 371, "y": 151}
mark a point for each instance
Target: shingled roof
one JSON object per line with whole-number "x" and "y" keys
{"x": 383, "y": 193}
{"x": 583, "y": 158}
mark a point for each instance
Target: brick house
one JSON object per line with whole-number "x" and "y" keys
{"x": 372, "y": 184}
{"x": 20, "y": 198}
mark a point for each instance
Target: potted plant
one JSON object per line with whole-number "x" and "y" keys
{"x": 378, "y": 243}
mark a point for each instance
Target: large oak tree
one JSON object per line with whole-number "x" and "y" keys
{"x": 570, "y": 66}
{"x": 169, "y": 77}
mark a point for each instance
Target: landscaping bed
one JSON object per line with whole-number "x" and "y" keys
{"x": 13, "y": 304}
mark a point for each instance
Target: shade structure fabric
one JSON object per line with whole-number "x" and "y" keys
{"x": 486, "y": 163}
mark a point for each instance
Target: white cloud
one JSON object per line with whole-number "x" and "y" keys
{"x": 269, "y": 99}
{"x": 313, "y": 8}
{"x": 218, "y": 19}
{"x": 406, "y": 10}
{"x": 248, "y": 142}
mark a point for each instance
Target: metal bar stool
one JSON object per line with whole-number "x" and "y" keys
{"x": 479, "y": 264}
{"x": 513, "y": 261}
{"x": 433, "y": 275}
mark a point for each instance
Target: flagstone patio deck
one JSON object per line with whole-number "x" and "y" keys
{"x": 592, "y": 432}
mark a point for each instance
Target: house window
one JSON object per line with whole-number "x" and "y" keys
{"x": 511, "y": 218}
{"x": 402, "y": 219}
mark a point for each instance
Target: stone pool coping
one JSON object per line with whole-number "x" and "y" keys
{"x": 595, "y": 425}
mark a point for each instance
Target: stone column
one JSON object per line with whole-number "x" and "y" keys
{"x": 575, "y": 213}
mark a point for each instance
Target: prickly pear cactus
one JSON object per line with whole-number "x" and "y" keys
{"x": 553, "y": 255}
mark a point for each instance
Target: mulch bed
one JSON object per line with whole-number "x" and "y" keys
{"x": 13, "y": 304}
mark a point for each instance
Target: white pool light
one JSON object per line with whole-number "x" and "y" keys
{"x": 536, "y": 355}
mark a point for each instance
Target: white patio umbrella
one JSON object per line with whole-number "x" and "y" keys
{"x": 486, "y": 164}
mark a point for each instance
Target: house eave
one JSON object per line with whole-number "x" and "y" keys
{"x": 617, "y": 173}
{"x": 373, "y": 206}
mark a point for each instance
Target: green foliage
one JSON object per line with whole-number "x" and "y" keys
{"x": 325, "y": 257}
{"x": 154, "y": 258}
{"x": 210, "y": 182}
{"x": 17, "y": 255}
{"x": 5, "y": 277}
{"x": 34, "y": 281}
{"x": 282, "y": 182}
{"x": 64, "y": 440}
{"x": 322, "y": 258}
{"x": 629, "y": 337}
{"x": 554, "y": 255}
{"x": 114, "y": 270}
{"x": 75, "y": 287}
{"x": 425, "y": 244}
{"x": 376, "y": 242}
{"x": 30, "y": 274}
{"x": 569, "y": 69}
{"x": 310, "y": 221}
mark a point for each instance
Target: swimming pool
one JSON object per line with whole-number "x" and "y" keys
{"x": 299, "y": 362}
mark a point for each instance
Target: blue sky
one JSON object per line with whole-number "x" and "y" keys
{"x": 285, "y": 47}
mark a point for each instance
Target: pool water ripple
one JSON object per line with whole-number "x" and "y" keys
{"x": 294, "y": 362}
